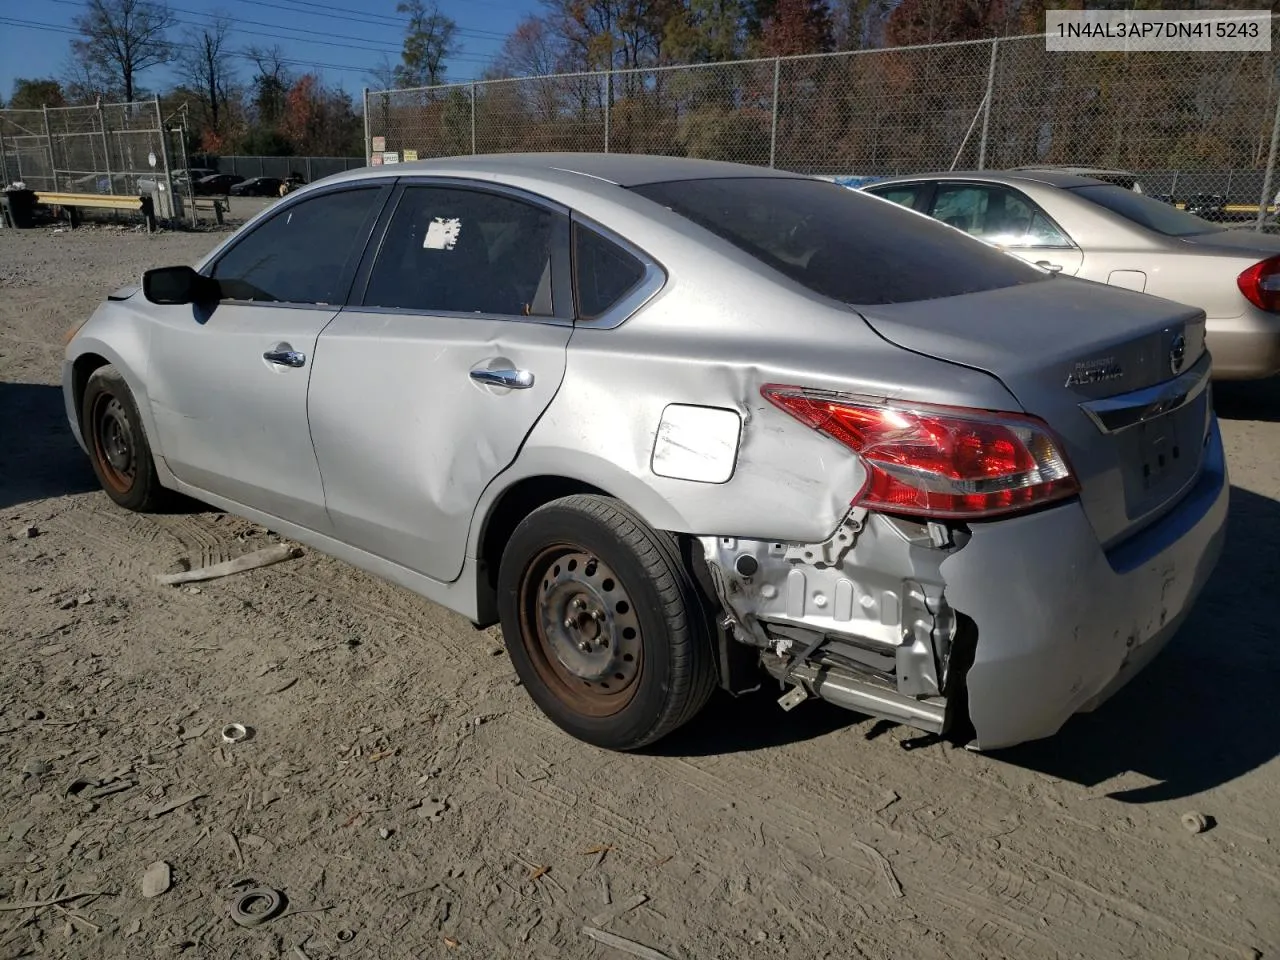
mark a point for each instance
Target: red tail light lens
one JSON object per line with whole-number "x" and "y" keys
{"x": 938, "y": 462}
{"x": 1260, "y": 285}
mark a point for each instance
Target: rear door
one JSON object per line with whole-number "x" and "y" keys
{"x": 1008, "y": 219}
{"x": 425, "y": 388}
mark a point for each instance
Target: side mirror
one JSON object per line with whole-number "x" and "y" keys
{"x": 178, "y": 285}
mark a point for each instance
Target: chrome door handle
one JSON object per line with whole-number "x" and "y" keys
{"x": 285, "y": 358}
{"x": 515, "y": 379}
{"x": 1051, "y": 267}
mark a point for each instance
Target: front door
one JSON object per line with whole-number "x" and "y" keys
{"x": 228, "y": 381}
{"x": 425, "y": 387}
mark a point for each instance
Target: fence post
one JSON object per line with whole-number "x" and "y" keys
{"x": 773, "y": 125}
{"x": 1268, "y": 178}
{"x": 368, "y": 151}
{"x": 986, "y": 113}
{"x": 4, "y": 162}
{"x": 310, "y": 178}
{"x": 164, "y": 158}
{"x": 48, "y": 140}
{"x": 106, "y": 149}
{"x": 473, "y": 117}
{"x": 608, "y": 103}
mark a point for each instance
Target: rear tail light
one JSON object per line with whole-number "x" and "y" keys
{"x": 1261, "y": 285}
{"x": 938, "y": 462}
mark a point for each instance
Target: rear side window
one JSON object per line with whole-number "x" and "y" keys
{"x": 303, "y": 254}
{"x": 1146, "y": 212}
{"x": 840, "y": 243}
{"x": 603, "y": 271}
{"x": 449, "y": 250}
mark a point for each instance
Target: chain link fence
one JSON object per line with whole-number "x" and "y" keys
{"x": 1192, "y": 125}
{"x": 105, "y": 148}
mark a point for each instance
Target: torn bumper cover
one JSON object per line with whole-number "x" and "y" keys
{"x": 1060, "y": 623}
{"x": 1063, "y": 624}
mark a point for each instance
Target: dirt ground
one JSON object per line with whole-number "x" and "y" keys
{"x": 405, "y": 795}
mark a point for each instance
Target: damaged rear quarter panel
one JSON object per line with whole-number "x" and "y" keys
{"x": 713, "y": 338}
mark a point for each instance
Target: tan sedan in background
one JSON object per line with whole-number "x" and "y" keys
{"x": 1099, "y": 231}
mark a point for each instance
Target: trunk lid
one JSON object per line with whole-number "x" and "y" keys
{"x": 1236, "y": 242}
{"x": 1121, "y": 377}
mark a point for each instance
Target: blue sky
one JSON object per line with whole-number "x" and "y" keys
{"x": 340, "y": 39}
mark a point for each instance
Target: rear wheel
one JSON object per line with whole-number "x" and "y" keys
{"x": 118, "y": 448}
{"x": 603, "y": 623}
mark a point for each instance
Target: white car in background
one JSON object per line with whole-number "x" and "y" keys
{"x": 1083, "y": 227}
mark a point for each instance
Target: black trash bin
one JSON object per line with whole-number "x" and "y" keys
{"x": 22, "y": 207}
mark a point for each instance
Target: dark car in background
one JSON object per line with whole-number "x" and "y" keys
{"x": 257, "y": 187}
{"x": 219, "y": 184}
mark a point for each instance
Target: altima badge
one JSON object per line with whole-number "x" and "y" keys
{"x": 1095, "y": 371}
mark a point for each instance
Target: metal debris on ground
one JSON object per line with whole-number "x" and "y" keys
{"x": 235, "y": 733}
{"x": 345, "y": 936}
{"x": 632, "y": 947}
{"x": 1195, "y": 822}
{"x": 256, "y": 906}
{"x": 450, "y": 942}
{"x": 157, "y": 879}
{"x": 249, "y": 561}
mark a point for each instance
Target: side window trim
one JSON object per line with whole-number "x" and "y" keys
{"x": 644, "y": 290}
{"x": 1036, "y": 209}
{"x": 382, "y": 187}
{"x": 561, "y": 281}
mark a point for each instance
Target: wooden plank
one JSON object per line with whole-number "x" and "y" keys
{"x": 89, "y": 200}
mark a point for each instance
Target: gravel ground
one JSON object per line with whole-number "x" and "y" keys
{"x": 402, "y": 791}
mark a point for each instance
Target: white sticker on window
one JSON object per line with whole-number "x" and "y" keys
{"x": 442, "y": 234}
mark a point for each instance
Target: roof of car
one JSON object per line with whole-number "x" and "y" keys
{"x": 1053, "y": 178}
{"x": 623, "y": 169}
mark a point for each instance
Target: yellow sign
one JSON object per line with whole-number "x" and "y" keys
{"x": 410, "y": 156}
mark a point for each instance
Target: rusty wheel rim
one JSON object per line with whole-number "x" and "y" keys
{"x": 579, "y": 627}
{"x": 114, "y": 446}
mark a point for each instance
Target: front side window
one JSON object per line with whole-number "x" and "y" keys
{"x": 997, "y": 215}
{"x": 840, "y": 243}
{"x": 450, "y": 250}
{"x": 303, "y": 254}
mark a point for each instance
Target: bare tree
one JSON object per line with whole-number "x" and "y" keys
{"x": 429, "y": 40}
{"x": 383, "y": 76}
{"x": 205, "y": 65}
{"x": 121, "y": 38}
{"x": 271, "y": 82}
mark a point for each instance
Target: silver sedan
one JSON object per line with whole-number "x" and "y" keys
{"x": 679, "y": 425}
{"x": 1104, "y": 232}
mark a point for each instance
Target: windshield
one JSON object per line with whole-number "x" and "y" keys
{"x": 1161, "y": 217}
{"x": 841, "y": 243}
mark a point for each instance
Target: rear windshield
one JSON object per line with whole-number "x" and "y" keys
{"x": 1145, "y": 211}
{"x": 841, "y": 243}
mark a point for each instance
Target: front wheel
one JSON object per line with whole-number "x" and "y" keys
{"x": 603, "y": 623}
{"x": 118, "y": 448}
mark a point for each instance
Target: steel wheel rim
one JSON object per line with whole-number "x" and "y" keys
{"x": 578, "y": 625}
{"x": 114, "y": 445}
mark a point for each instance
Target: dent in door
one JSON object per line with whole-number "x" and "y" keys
{"x": 406, "y": 435}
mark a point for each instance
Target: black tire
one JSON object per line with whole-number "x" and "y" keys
{"x": 625, "y": 692}
{"x": 118, "y": 447}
